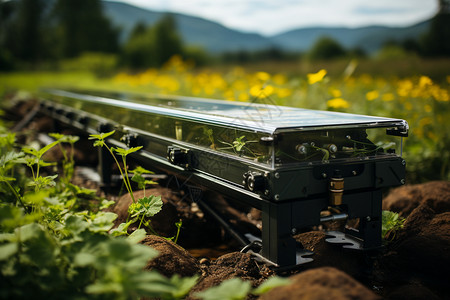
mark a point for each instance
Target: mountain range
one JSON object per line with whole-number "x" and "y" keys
{"x": 217, "y": 38}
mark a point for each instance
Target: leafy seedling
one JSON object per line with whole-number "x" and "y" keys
{"x": 391, "y": 224}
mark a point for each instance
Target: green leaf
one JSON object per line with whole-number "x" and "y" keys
{"x": 31, "y": 151}
{"x": 103, "y": 222}
{"x": 100, "y": 143}
{"x": 105, "y": 203}
{"x": 141, "y": 170}
{"x": 231, "y": 289}
{"x": 46, "y": 148}
{"x": 390, "y": 221}
{"x": 152, "y": 205}
{"x": 271, "y": 283}
{"x": 8, "y": 250}
{"x": 181, "y": 286}
{"x": 5, "y": 179}
{"x": 44, "y": 181}
{"x": 138, "y": 179}
{"x": 76, "y": 224}
{"x": 84, "y": 259}
{"x": 137, "y": 236}
{"x": 11, "y": 157}
{"x": 125, "y": 152}
{"x": 122, "y": 229}
{"x": 101, "y": 136}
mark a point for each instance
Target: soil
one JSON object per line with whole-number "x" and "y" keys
{"x": 415, "y": 265}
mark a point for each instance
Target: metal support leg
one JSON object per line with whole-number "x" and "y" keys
{"x": 370, "y": 226}
{"x": 105, "y": 166}
{"x": 278, "y": 244}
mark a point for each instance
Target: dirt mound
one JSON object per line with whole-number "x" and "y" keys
{"x": 421, "y": 254}
{"x": 172, "y": 259}
{"x": 405, "y": 199}
{"x": 231, "y": 265}
{"x": 321, "y": 283}
{"x": 163, "y": 222}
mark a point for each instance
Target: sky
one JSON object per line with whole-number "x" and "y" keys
{"x": 268, "y": 17}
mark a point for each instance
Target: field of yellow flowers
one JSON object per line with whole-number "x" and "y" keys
{"x": 421, "y": 101}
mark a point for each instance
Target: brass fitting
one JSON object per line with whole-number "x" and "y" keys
{"x": 336, "y": 189}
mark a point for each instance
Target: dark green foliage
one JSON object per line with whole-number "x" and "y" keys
{"x": 152, "y": 46}
{"x": 326, "y": 48}
{"x": 83, "y": 27}
{"x": 436, "y": 43}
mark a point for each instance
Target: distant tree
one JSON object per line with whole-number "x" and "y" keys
{"x": 357, "y": 52}
{"x": 83, "y": 27}
{"x": 326, "y": 48}
{"x": 167, "y": 40}
{"x": 152, "y": 46}
{"x": 23, "y": 28}
{"x": 437, "y": 41}
{"x": 138, "y": 51}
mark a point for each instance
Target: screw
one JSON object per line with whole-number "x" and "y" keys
{"x": 402, "y": 181}
{"x": 276, "y": 197}
{"x": 368, "y": 218}
{"x": 324, "y": 175}
{"x": 354, "y": 173}
{"x": 404, "y": 162}
{"x": 277, "y": 175}
{"x": 266, "y": 192}
{"x": 294, "y": 231}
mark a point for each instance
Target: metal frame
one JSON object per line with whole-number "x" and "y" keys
{"x": 290, "y": 197}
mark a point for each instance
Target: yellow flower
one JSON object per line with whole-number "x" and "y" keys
{"x": 336, "y": 93}
{"x": 425, "y": 81}
{"x": 263, "y": 76}
{"x": 243, "y": 97}
{"x": 283, "y": 92}
{"x": 338, "y": 103}
{"x": 316, "y": 77}
{"x": 260, "y": 91}
{"x": 387, "y": 97}
{"x": 372, "y": 95}
{"x": 428, "y": 108}
{"x": 281, "y": 79}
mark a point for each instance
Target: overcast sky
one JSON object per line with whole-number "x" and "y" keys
{"x": 274, "y": 16}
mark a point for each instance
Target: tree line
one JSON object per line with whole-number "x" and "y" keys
{"x": 37, "y": 33}
{"x": 34, "y": 33}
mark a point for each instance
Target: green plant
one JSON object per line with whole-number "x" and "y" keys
{"x": 145, "y": 207}
{"x": 237, "y": 289}
{"x": 34, "y": 159}
{"x": 240, "y": 146}
{"x": 391, "y": 224}
{"x": 68, "y": 161}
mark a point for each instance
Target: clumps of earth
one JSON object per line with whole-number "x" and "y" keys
{"x": 414, "y": 265}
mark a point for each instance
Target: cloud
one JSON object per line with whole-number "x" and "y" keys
{"x": 269, "y": 17}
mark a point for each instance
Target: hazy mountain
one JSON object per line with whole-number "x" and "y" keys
{"x": 194, "y": 31}
{"x": 369, "y": 38}
{"x": 218, "y": 38}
